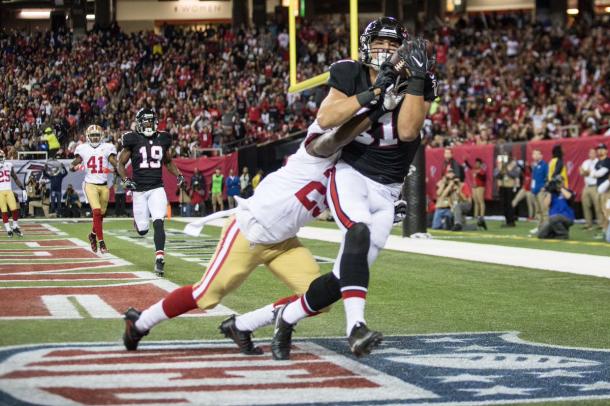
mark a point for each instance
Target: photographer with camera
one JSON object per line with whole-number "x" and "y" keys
{"x": 184, "y": 198}
{"x": 72, "y": 203}
{"x": 446, "y": 196}
{"x": 38, "y": 196}
{"x": 561, "y": 215}
{"x": 507, "y": 174}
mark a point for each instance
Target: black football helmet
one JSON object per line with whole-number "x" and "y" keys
{"x": 384, "y": 27}
{"x": 146, "y": 122}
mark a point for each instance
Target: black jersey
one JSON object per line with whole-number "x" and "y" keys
{"x": 147, "y": 158}
{"x": 377, "y": 153}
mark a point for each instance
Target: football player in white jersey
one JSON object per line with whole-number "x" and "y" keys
{"x": 7, "y": 197}
{"x": 95, "y": 157}
{"x": 262, "y": 231}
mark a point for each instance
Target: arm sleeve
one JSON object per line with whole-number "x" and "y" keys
{"x": 342, "y": 75}
{"x": 601, "y": 172}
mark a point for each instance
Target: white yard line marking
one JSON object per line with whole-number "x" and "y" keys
{"x": 580, "y": 264}
{"x": 32, "y": 244}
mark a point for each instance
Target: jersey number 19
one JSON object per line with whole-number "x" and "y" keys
{"x": 156, "y": 154}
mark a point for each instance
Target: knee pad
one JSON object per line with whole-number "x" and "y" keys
{"x": 323, "y": 292}
{"x": 354, "y": 260}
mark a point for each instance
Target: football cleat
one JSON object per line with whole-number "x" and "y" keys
{"x": 17, "y": 232}
{"x": 159, "y": 265}
{"x": 132, "y": 337}
{"x": 282, "y": 336}
{"x": 9, "y": 233}
{"x": 93, "y": 242}
{"x": 243, "y": 339}
{"x": 103, "y": 248}
{"x": 362, "y": 340}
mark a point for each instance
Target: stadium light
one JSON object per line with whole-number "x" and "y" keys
{"x": 90, "y": 17}
{"x": 572, "y": 11}
{"x": 43, "y": 14}
{"x": 607, "y": 9}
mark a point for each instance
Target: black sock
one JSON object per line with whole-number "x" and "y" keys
{"x": 159, "y": 236}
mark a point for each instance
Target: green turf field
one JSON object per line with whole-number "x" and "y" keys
{"x": 408, "y": 294}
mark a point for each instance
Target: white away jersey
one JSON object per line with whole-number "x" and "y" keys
{"x": 95, "y": 161}
{"x": 286, "y": 199}
{"x": 5, "y": 175}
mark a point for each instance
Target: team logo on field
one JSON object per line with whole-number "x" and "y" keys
{"x": 480, "y": 368}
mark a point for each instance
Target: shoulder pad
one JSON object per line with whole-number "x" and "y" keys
{"x": 343, "y": 75}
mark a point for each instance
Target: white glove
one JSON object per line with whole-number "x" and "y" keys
{"x": 394, "y": 95}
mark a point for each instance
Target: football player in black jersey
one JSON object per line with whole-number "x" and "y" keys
{"x": 393, "y": 85}
{"x": 148, "y": 150}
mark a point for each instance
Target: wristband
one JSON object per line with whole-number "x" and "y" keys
{"x": 364, "y": 98}
{"x": 415, "y": 87}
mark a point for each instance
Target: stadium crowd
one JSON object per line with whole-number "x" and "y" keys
{"x": 506, "y": 79}
{"x": 214, "y": 88}
{"x": 503, "y": 79}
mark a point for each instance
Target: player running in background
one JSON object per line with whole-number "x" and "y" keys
{"x": 7, "y": 197}
{"x": 367, "y": 179}
{"x": 263, "y": 231}
{"x": 148, "y": 150}
{"x": 96, "y": 157}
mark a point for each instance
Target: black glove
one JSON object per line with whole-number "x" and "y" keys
{"x": 415, "y": 55}
{"x": 129, "y": 184}
{"x": 180, "y": 180}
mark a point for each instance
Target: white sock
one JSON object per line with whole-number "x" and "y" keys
{"x": 354, "y": 312}
{"x": 295, "y": 312}
{"x": 7, "y": 227}
{"x": 151, "y": 317}
{"x": 15, "y": 224}
{"x": 255, "y": 319}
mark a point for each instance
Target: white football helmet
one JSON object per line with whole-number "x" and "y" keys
{"x": 94, "y": 135}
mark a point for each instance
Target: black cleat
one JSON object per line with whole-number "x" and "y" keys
{"x": 93, "y": 241}
{"x": 159, "y": 265}
{"x": 243, "y": 339}
{"x": 103, "y": 249}
{"x": 282, "y": 336}
{"x": 481, "y": 223}
{"x": 17, "y": 232}
{"x": 362, "y": 340}
{"x": 9, "y": 233}
{"x": 132, "y": 337}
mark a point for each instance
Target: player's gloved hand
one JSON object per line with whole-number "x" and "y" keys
{"x": 419, "y": 56}
{"x": 129, "y": 184}
{"x": 180, "y": 180}
{"x": 400, "y": 211}
{"x": 394, "y": 94}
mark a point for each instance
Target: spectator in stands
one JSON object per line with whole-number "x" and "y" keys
{"x": 540, "y": 171}
{"x": 39, "y": 197}
{"x": 507, "y": 174}
{"x": 257, "y": 179}
{"x": 591, "y": 203}
{"x": 55, "y": 171}
{"x": 447, "y": 190}
{"x": 244, "y": 183}
{"x": 52, "y": 141}
{"x": 232, "y": 188}
{"x": 119, "y": 198}
{"x": 216, "y": 192}
{"x": 561, "y": 214}
{"x": 479, "y": 176}
{"x": 72, "y": 203}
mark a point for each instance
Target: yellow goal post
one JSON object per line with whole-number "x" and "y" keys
{"x": 320, "y": 79}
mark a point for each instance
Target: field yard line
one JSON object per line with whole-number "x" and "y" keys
{"x": 581, "y": 264}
